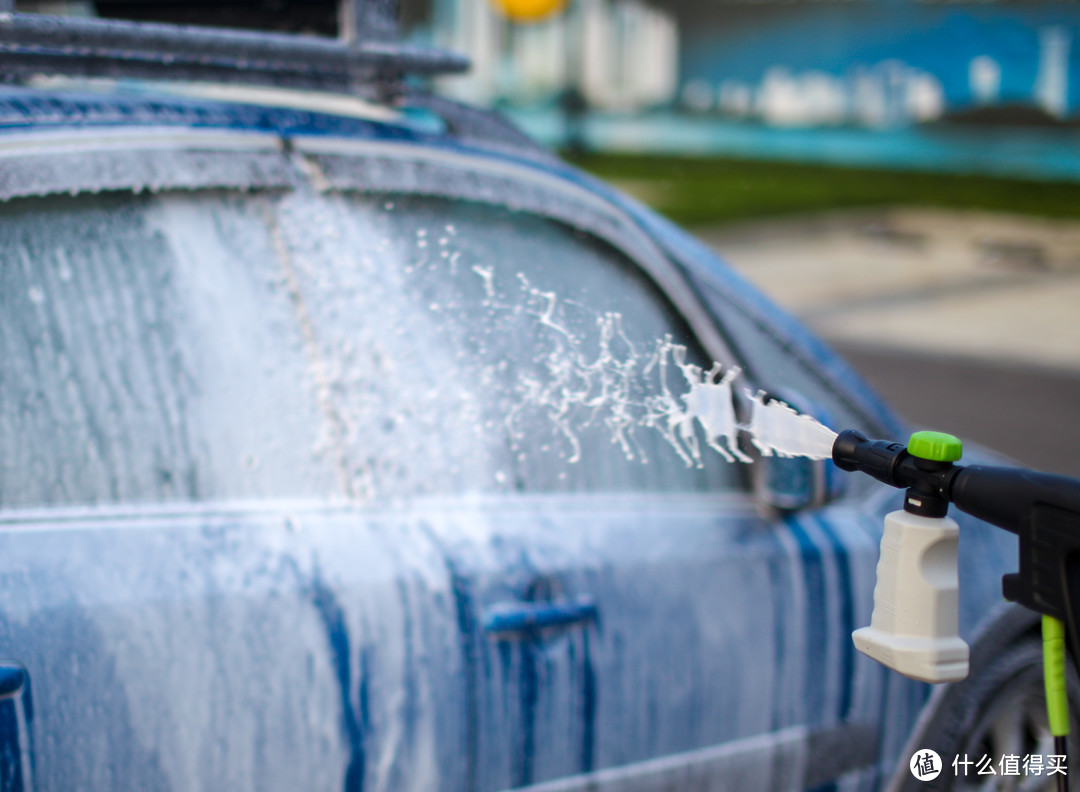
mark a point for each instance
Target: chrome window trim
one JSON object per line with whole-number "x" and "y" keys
{"x": 92, "y": 160}
{"x": 120, "y": 515}
{"x": 90, "y": 139}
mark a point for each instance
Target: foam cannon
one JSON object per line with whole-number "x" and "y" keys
{"x": 1042, "y": 509}
{"x": 914, "y": 629}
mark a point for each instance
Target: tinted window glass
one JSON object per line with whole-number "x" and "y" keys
{"x": 149, "y": 351}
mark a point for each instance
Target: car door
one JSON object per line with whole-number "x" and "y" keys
{"x": 628, "y": 617}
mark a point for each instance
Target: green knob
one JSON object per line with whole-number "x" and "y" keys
{"x": 937, "y": 446}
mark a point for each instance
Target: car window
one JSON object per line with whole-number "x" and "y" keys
{"x": 212, "y": 345}
{"x": 149, "y": 351}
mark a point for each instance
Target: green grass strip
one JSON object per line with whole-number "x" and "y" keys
{"x": 702, "y": 191}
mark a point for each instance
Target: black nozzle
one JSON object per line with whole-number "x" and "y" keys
{"x": 844, "y": 448}
{"x": 878, "y": 458}
{"x": 890, "y": 463}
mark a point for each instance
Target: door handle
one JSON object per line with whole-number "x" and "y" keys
{"x": 12, "y": 679}
{"x": 16, "y": 755}
{"x": 514, "y": 618}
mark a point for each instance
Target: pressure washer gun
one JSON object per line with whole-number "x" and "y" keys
{"x": 914, "y": 627}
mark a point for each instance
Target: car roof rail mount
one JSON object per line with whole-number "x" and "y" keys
{"x": 366, "y": 55}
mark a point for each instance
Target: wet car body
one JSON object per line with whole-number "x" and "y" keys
{"x": 239, "y": 549}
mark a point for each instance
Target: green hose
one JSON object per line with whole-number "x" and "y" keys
{"x": 1057, "y": 697}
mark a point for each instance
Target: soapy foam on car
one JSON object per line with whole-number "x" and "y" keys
{"x": 629, "y": 390}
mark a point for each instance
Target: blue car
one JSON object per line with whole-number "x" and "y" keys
{"x": 341, "y": 450}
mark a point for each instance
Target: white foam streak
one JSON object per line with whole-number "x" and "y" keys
{"x": 777, "y": 429}
{"x": 486, "y": 274}
{"x": 711, "y": 403}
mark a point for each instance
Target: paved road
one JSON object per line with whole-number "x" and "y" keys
{"x": 1030, "y": 413}
{"x": 966, "y": 322}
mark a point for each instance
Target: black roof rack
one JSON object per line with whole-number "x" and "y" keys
{"x": 366, "y": 55}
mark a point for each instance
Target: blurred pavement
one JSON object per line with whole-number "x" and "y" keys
{"x": 966, "y": 322}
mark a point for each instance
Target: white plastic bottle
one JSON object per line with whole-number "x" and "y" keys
{"x": 915, "y": 626}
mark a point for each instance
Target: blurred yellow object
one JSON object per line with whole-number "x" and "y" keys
{"x": 528, "y": 10}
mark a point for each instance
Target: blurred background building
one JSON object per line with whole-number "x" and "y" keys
{"x": 881, "y": 63}
{"x": 975, "y": 86}
{"x": 622, "y": 56}
{"x": 870, "y": 63}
